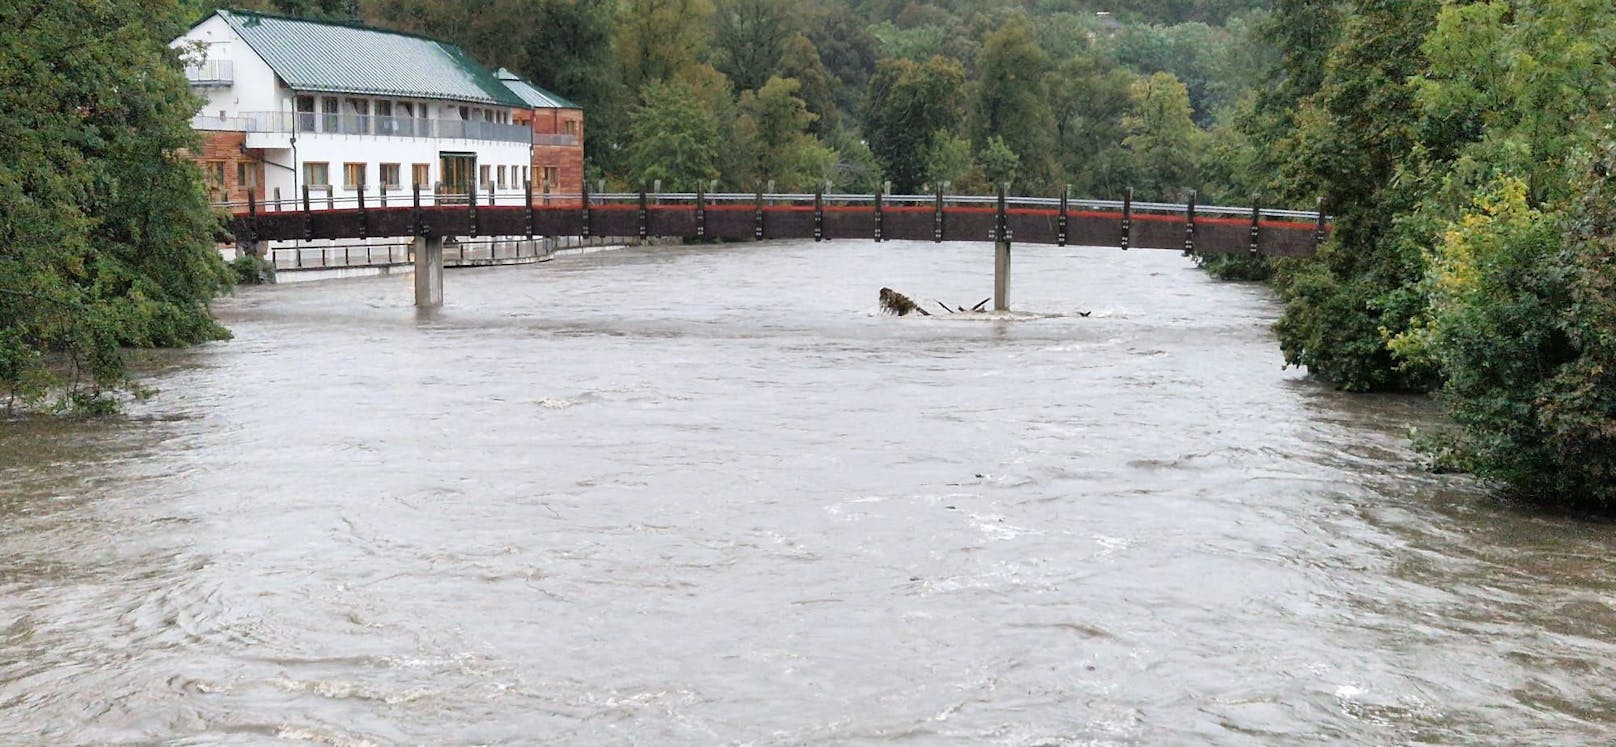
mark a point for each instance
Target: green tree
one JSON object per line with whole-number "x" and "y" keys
{"x": 105, "y": 232}
{"x": 774, "y": 124}
{"x": 566, "y": 48}
{"x": 326, "y": 10}
{"x": 849, "y": 53}
{"x": 801, "y": 62}
{"x": 1352, "y": 140}
{"x": 1513, "y": 116}
{"x": 909, "y": 104}
{"x": 949, "y": 160}
{"x": 856, "y": 168}
{"x": 1000, "y": 164}
{"x": 1012, "y": 104}
{"x": 1301, "y": 33}
{"x": 657, "y": 41}
{"x": 1089, "y": 97}
{"x": 749, "y": 40}
{"x": 913, "y": 44}
{"x": 1162, "y": 137}
{"x": 1187, "y": 51}
{"x": 333, "y": 10}
{"x": 672, "y": 138}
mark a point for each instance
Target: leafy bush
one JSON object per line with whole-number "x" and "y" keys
{"x": 250, "y": 269}
{"x": 1523, "y": 326}
{"x": 1236, "y": 266}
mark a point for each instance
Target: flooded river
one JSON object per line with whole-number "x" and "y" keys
{"x": 708, "y": 496}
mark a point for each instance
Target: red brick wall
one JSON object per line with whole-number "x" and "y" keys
{"x": 567, "y": 160}
{"x": 226, "y": 149}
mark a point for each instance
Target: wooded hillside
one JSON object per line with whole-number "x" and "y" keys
{"x": 1039, "y": 94}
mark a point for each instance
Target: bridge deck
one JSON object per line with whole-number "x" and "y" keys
{"x": 1216, "y": 230}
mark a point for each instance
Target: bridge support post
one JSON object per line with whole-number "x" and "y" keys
{"x": 428, "y": 272}
{"x": 1001, "y": 255}
{"x": 1001, "y": 275}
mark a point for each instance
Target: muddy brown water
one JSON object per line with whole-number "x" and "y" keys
{"x": 709, "y": 496}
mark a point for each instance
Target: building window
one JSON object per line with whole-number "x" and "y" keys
{"x": 213, "y": 176}
{"x": 213, "y": 172}
{"x": 353, "y": 175}
{"x": 385, "y": 124}
{"x": 502, "y": 177}
{"x": 524, "y": 175}
{"x": 330, "y": 119}
{"x": 317, "y": 174}
{"x": 246, "y": 174}
{"x": 570, "y": 127}
{"x": 552, "y": 175}
{"x": 305, "y": 114}
{"x": 389, "y": 174}
{"x": 421, "y": 175}
{"x": 483, "y": 177}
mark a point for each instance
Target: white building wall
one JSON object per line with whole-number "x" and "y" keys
{"x": 255, "y": 87}
{"x": 373, "y": 151}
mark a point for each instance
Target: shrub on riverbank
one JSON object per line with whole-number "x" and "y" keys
{"x": 249, "y": 269}
{"x": 1523, "y": 326}
{"x": 1237, "y": 266}
{"x": 105, "y": 233}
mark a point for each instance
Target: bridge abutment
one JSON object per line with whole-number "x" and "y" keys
{"x": 428, "y": 271}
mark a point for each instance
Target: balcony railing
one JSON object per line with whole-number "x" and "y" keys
{"x": 211, "y": 73}
{"x": 293, "y": 123}
{"x": 555, "y": 139}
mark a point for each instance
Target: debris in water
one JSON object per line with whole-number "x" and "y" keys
{"x": 897, "y": 303}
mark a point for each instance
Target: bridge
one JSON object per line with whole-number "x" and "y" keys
{"x": 430, "y": 218}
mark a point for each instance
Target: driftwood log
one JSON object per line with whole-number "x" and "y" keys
{"x": 893, "y": 302}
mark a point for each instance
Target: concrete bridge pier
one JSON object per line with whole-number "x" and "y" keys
{"x": 428, "y": 272}
{"x": 1001, "y": 275}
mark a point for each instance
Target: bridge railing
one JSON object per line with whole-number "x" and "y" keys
{"x": 753, "y": 216}
{"x": 395, "y": 197}
{"x": 985, "y": 202}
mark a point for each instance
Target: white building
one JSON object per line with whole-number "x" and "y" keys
{"x": 334, "y": 107}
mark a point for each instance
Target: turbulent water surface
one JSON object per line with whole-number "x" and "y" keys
{"x": 709, "y": 496}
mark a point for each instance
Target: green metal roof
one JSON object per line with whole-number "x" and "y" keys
{"x": 536, "y": 97}
{"x": 341, "y": 58}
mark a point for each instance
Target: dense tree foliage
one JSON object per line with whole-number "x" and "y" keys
{"x": 105, "y": 234}
{"x": 674, "y": 139}
{"x": 1352, "y": 138}
{"x": 1050, "y": 80}
{"x": 911, "y": 105}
